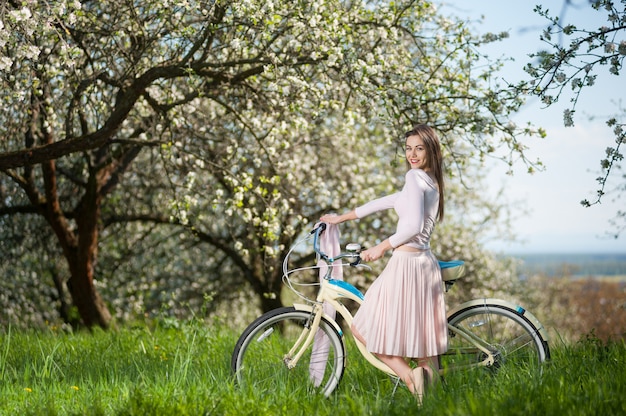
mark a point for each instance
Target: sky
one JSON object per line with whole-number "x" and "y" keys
{"x": 550, "y": 218}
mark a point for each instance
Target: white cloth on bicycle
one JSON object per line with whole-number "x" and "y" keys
{"x": 329, "y": 244}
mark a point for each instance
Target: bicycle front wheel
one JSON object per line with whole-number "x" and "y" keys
{"x": 261, "y": 353}
{"x": 506, "y": 333}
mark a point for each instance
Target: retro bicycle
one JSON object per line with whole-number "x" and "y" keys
{"x": 303, "y": 346}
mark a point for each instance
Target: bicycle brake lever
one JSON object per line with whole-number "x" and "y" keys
{"x": 356, "y": 262}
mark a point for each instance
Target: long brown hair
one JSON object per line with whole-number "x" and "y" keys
{"x": 435, "y": 159}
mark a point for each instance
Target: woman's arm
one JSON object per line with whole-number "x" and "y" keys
{"x": 371, "y": 254}
{"x": 337, "y": 219}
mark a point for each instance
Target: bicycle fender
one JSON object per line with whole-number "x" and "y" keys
{"x": 309, "y": 308}
{"x": 517, "y": 308}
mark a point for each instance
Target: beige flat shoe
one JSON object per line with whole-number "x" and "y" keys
{"x": 417, "y": 378}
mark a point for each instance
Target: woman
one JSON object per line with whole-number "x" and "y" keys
{"x": 403, "y": 314}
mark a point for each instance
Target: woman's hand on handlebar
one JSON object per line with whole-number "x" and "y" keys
{"x": 376, "y": 252}
{"x": 331, "y": 219}
{"x": 338, "y": 219}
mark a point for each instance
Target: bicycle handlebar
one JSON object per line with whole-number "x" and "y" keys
{"x": 355, "y": 255}
{"x": 316, "y": 240}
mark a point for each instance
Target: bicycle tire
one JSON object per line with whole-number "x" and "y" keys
{"x": 257, "y": 360}
{"x": 513, "y": 339}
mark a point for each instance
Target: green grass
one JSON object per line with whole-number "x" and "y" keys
{"x": 184, "y": 369}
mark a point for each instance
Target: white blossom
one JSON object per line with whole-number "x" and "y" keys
{"x": 568, "y": 120}
{"x": 5, "y": 63}
{"x": 21, "y": 14}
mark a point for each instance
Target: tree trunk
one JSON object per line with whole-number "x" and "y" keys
{"x": 80, "y": 248}
{"x": 92, "y": 309}
{"x": 80, "y": 254}
{"x": 64, "y": 307}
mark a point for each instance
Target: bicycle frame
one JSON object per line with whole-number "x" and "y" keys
{"x": 481, "y": 332}
{"x": 332, "y": 291}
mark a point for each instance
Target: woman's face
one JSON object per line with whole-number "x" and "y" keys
{"x": 415, "y": 151}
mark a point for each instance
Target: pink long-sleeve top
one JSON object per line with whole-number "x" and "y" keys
{"x": 416, "y": 205}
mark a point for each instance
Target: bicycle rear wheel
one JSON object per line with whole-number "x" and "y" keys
{"x": 505, "y": 332}
{"x": 258, "y": 360}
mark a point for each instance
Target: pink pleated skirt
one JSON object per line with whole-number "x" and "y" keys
{"x": 404, "y": 312}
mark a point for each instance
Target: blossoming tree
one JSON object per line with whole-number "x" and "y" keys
{"x": 237, "y": 121}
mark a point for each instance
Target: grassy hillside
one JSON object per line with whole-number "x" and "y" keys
{"x": 183, "y": 369}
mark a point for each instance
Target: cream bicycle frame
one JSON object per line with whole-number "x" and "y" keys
{"x": 330, "y": 292}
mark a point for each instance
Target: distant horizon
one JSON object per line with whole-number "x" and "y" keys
{"x": 597, "y": 264}
{"x": 565, "y": 253}
{"x": 558, "y": 243}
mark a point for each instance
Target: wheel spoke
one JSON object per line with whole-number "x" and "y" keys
{"x": 261, "y": 357}
{"x": 506, "y": 335}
